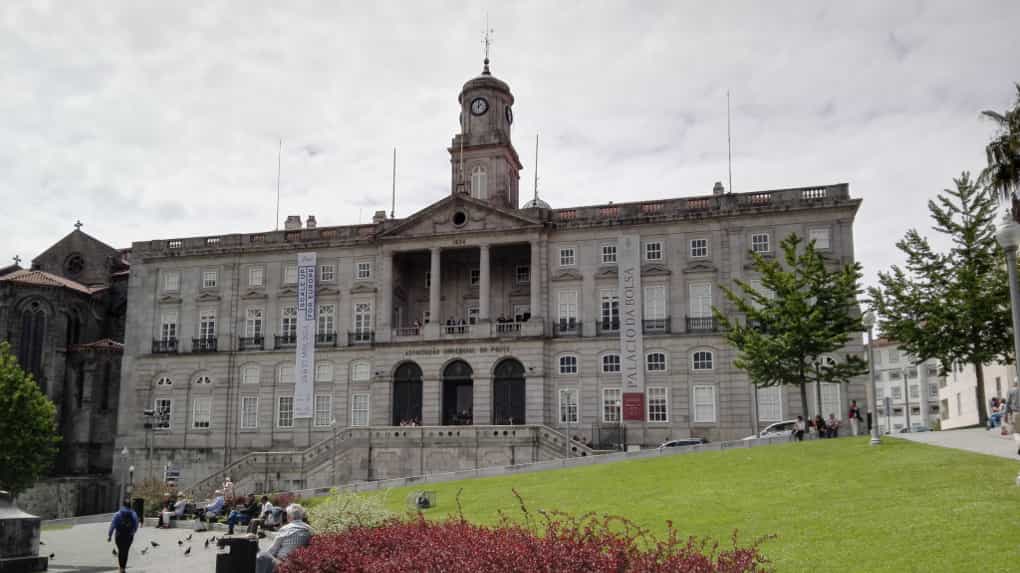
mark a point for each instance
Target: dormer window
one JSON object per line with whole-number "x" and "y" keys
{"x": 479, "y": 182}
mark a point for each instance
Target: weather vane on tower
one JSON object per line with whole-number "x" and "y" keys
{"x": 487, "y": 42}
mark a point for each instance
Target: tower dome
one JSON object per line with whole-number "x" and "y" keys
{"x": 536, "y": 203}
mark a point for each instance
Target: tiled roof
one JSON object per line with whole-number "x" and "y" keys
{"x": 43, "y": 278}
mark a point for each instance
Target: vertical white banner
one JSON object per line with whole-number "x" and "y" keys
{"x": 632, "y": 355}
{"x": 304, "y": 368}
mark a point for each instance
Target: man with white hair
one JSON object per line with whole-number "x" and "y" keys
{"x": 211, "y": 510}
{"x": 295, "y": 534}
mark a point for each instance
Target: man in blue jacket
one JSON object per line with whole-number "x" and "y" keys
{"x": 123, "y": 528}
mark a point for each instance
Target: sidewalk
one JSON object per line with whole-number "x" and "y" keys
{"x": 978, "y": 440}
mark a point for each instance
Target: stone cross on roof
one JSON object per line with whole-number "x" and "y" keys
{"x": 78, "y": 225}
{"x": 17, "y": 260}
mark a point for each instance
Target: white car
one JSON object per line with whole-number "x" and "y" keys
{"x": 776, "y": 430}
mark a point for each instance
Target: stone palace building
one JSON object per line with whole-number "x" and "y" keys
{"x": 474, "y": 332}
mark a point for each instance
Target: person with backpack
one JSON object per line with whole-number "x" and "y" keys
{"x": 122, "y": 529}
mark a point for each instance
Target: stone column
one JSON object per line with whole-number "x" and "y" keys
{"x": 484, "y": 290}
{"x": 535, "y": 279}
{"x": 435, "y": 317}
{"x": 385, "y": 318}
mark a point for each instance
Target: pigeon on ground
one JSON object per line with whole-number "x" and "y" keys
{"x": 187, "y": 551}
{"x": 41, "y": 542}
{"x": 207, "y": 544}
{"x": 180, "y": 543}
{"x": 145, "y": 550}
{"x": 188, "y": 538}
{"x": 52, "y": 555}
{"x": 154, "y": 544}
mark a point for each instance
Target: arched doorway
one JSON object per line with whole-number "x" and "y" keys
{"x": 407, "y": 392}
{"x": 458, "y": 394}
{"x": 508, "y": 393}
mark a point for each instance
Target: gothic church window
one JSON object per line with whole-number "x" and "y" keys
{"x": 33, "y": 336}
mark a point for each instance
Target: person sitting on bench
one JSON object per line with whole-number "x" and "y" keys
{"x": 212, "y": 510}
{"x": 242, "y": 513}
{"x": 295, "y": 534}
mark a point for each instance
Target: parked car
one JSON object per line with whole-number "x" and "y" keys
{"x": 776, "y": 430}
{"x": 683, "y": 442}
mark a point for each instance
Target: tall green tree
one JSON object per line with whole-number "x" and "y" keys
{"x": 803, "y": 312}
{"x": 1002, "y": 174}
{"x": 952, "y": 306}
{"x": 28, "y": 426}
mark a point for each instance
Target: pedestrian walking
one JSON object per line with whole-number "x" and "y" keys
{"x": 798, "y": 429}
{"x": 854, "y": 415}
{"x": 122, "y": 530}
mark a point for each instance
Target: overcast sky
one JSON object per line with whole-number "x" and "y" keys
{"x": 146, "y": 120}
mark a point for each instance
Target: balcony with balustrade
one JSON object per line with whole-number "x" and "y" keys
{"x": 285, "y": 340}
{"x": 655, "y": 325}
{"x": 607, "y": 327}
{"x": 164, "y": 346}
{"x": 203, "y": 344}
{"x": 361, "y": 338}
{"x": 325, "y": 339}
{"x": 251, "y": 343}
{"x": 696, "y": 324}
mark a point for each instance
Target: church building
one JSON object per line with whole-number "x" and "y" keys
{"x": 478, "y": 331}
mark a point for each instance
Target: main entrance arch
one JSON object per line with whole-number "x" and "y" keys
{"x": 508, "y": 393}
{"x": 407, "y": 392}
{"x": 458, "y": 394}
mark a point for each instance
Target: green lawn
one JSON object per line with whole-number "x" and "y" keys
{"x": 834, "y": 504}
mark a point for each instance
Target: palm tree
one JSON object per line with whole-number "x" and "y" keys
{"x": 1002, "y": 175}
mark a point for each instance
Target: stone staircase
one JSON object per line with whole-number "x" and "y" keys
{"x": 363, "y": 453}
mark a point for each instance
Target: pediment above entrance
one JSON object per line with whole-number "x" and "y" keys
{"x": 208, "y": 297}
{"x": 700, "y": 267}
{"x": 254, "y": 295}
{"x": 566, "y": 275}
{"x": 460, "y": 214}
{"x": 287, "y": 291}
{"x": 327, "y": 291}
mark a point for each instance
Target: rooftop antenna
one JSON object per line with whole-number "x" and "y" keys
{"x": 729, "y": 144}
{"x": 393, "y": 205}
{"x": 487, "y": 42}
{"x": 279, "y": 153}
{"x": 536, "y": 166}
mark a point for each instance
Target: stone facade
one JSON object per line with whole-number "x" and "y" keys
{"x": 470, "y": 311}
{"x": 64, "y": 318}
{"x": 912, "y": 389}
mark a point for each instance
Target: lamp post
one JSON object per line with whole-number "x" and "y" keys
{"x": 123, "y": 486}
{"x": 1008, "y": 236}
{"x": 869, "y": 323}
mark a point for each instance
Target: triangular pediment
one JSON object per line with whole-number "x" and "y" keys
{"x": 700, "y": 267}
{"x": 328, "y": 291}
{"x": 654, "y": 270}
{"x": 607, "y": 272}
{"x": 169, "y": 299}
{"x": 363, "y": 289}
{"x": 254, "y": 294}
{"x": 287, "y": 291}
{"x": 566, "y": 275}
{"x": 207, "y": 297}
{"x": 459, "y": 214}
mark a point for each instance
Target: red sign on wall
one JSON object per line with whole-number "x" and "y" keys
{"x": 633, "y": 407}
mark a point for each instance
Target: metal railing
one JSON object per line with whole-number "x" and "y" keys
{"x": 360, "y": 337}
{"x": 206, "y": 344}
{"x": 407, "y": 331}
{"x": 701, "y": 324}
{"x": 655, "y": 325}
{"x": 164, "y": 346}
{"x": 281, "y": 340}
{"x": 325, "y": 339}
{"x": 456, "y": 329}
{"x": 567, "y": 327}
{"x": 251, "y": 343}
{"x": 508, "y": 328}
{"x": 607, "y": 327}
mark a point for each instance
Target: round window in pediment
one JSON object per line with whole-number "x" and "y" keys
{"x": 459, "y": 218}
{"x": 74, "y": 264}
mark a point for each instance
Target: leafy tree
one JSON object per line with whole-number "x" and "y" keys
{"x": 951, "y": 306}
{"x": 1003, "y": 152}
{"x": 28, "y": 428}
{"x": 804, "y": 312}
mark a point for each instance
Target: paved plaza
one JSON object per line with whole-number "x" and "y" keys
{"x": 83, "y": 549}
{"x": 978, "y": 440}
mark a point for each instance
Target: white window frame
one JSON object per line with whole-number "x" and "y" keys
{"x": 323, "y": 371}
{"x": 207, "y": 323}
{"x": 282, "y": 422}
{"x": 569, "y": 408}
{"x": 770, "y": 404}
{"x": 609, "y": 306}
{"x": 653, "y": 247}
{"x": 761, "y": 242}
{"x": 560, "y": 365}
{"x": 290, "y": 273}
{"x": 363, "y": 271}
{"x": 522, "y": 275}
{"x": 653, "y": 415}
{"x": 362, "y": 319}
{"x": 168, "y": 325}
{"x": 201, "y": 413}
{"x": 710, "y": 361}
{"x": 254, "y": 322}
{"x": 699, "y": 299}
{"x": 361, "y": 371}
{"x": 357, "y": 410}
{"x": 325, "y": 319}
{"x": 608, "y": 254}
{"x": 822, "y": 236}
{"x": 655, "y": 302}
{"x": 285, "y": 374}
{"x": 479, "y": 182}
{"x": 163, "y": 422}
{"x": 288, "y": 321}
{"x": 606, "y": 364}
{"x": 249, "y": 418}
{"x": 250, "y": 374}
{"x": 327, "y": 273}
{"x": 323, "y": 411}
{"x": 566, "y": 306}
{"x": 210, "y": 278}
{"x": 171, "y": 281}
{"x": 612, "y": 405}
{"x": 648, "y": 361}
{"x": 698, "y": 248}
{"x": 703, "y": 401}
{"x": 568, "y": 256}
{"x": 257, "y": 276}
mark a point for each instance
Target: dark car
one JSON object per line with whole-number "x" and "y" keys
{"x": 683, "y": 442}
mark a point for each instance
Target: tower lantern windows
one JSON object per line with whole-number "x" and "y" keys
{"x": 479, "y": 182}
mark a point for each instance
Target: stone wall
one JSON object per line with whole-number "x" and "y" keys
{"x": 69, "y": 496}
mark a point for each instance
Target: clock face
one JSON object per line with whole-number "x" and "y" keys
{"x": 509, "y": 115}
{"x": 479, "y": 106}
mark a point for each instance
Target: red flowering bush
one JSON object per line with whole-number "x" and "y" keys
{"x": 559, "y": 544}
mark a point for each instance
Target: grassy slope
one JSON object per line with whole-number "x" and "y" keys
{"x": 840, "y": 504}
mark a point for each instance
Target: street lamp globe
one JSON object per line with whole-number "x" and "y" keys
{"x": 124, "y": 452}
{"x": 1008, "y": 233}
{"x": 869, "y": 320}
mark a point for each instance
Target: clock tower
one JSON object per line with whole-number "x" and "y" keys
{"x": 484, "y": 162}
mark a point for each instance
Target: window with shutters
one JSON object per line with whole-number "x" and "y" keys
{"x": 704, "y": 404}
{"x": 700, "y": 301}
